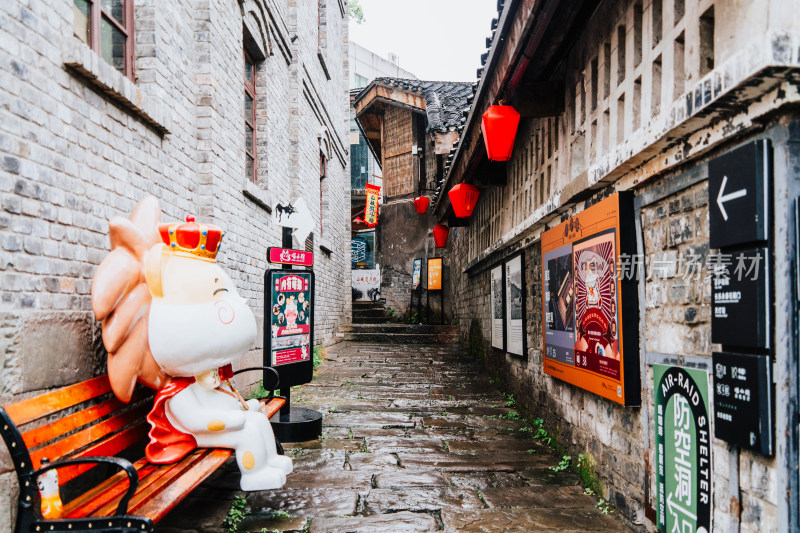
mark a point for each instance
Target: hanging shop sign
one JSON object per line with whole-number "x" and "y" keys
{"x": 590, "y": 304}
{"x": 371, "y": 205}
{"x": 498, "y": 307}
{"x": 463, "y": 198}
{"x": 285, "y": 256}
{"x": 416, "y": 274}
{"x": 289, "y": 338}
{"x": 499, "y": 126}
{"x": 421, "y": 204}
{"x": 366, "y": 284}
{"x": 515, "y": 306}
{"x": 743, "y": 400}
{"x": 435, "y": 274}
{"x": 683, "y": 449}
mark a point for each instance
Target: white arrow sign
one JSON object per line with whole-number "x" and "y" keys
{"x": 722, "y": 198}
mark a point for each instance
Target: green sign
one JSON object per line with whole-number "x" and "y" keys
{"x": 683, "y": 449}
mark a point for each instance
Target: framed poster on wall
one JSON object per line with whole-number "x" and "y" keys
{"x": 515, "y": 306}
{"x": 435, "y": 274}
{"x": 498, "y": 307}
{"x": 590, "y": 309}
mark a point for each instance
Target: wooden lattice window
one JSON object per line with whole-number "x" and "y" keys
{"x": 107, "y": 27}
{"x": 249, "y": 117}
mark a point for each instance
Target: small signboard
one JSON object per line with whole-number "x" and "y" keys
{"x": 740, "y": 299}
{"x": 435, "y": 274}
{"x": 590, "y": 304}
{"x": 285, "y": 256}
{"x": 498, "y": 307}
{"x": 738, "y": 191}
{"x": 683, "y": 449}
{"x": 289, "y": 330}
{"x": 743, "y": 400}
{"x": 416, "y": 274}
{"x": 515, "y": 306}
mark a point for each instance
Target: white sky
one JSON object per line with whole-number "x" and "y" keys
{"x": 435, "y": 39}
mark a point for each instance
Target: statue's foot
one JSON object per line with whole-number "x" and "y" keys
{"x": 266, "y": 478}
{"x": 282, "y": 463}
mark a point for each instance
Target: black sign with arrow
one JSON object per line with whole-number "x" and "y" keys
{"x": 738, "y": 197}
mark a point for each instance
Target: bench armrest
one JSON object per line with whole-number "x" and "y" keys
{"x": 270, "y": 388}
{"x": 123, "y": 464}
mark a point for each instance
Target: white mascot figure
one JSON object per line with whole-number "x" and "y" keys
{"x": 172, "y": 320}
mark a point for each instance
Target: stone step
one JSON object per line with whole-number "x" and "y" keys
{"x": 375, "y": 320}
{"x": 398, "y": 328}
{"x": 367, "y": 305}
{"x": 400, "y": 338}
{"x": 371, "y": 312}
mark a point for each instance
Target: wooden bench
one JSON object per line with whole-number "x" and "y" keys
{"x": 83, "y": 426}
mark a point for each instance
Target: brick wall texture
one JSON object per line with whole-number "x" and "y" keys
{"x": 79, "y": 144}
{"x": 634, "y": 119}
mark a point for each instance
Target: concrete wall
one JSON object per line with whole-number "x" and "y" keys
{"x": 79, "y": 144}
{"x": 649, "y": 120}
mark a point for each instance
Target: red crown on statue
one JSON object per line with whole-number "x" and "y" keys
{"x": 200, "y": 240}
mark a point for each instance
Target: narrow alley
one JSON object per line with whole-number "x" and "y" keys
{"x": 415, "y": 438}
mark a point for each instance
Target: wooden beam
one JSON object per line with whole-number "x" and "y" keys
{"x": 540, "y": 99}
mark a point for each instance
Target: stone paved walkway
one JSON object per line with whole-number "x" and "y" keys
{"x": 413, "y": 441}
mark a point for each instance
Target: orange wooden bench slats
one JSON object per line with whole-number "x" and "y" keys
{"x": 35, "y": 408}
{"x": 108, "y": 447}
{"x": 59, "y": 427}
{"x": 273, "y": 406}
{"x": 157, "y": 507}
{"x": 91, "y": 434}
{"x": 86, "y": 503}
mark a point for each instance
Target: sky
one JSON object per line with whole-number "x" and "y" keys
{"x": 434, "y": 39}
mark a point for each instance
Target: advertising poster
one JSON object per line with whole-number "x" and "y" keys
{"x": 515, "y": 307}
{"x": 683, "y": 449}
{"x": 559, "y": 301}
{"x": 498, "y": 309}
{"x": 290, "y": 317}
{"x": 590, "y": 310}
{"x": 435, "y": 274}
{"x": 416, "y": 274}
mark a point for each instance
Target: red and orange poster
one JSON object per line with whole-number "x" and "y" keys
{"x": 435, "y": 274}
{"x": 584, "y": 340}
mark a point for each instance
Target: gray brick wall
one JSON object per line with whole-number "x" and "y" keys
{"x": 79, "y": 144}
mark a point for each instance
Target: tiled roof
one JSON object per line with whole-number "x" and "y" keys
{"x": 445, "y": 101}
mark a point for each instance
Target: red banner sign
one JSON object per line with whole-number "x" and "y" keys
{"x": 285, "y": 256}
{"x": 371, "y": 206}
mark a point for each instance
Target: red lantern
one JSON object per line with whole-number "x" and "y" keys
{"x": 440, "y": 233}
{"x": 463, "y": 198}
{"x": 499, "y": 127}
{"x": 421, "y": 203}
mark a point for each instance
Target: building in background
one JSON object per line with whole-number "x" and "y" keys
{"x": 691, "y": 109}
{"x": 219, "y": 109}
{"x": 410, "y": 126}
{"x": 364, "y": 67}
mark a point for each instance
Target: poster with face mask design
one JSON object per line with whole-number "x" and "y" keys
{"x": 290, "y": 317}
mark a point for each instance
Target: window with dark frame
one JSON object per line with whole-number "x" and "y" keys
{"x": 249, "y": 118}
{"x": 106, "y": 26}
{"x": 323, "y": 172}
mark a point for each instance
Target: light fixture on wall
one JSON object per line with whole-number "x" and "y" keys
{"x": 463, "y": 198}
{"x": 499, "y": 127}
{"x": 440, "y": 233}
{"x": 421, "y": 204}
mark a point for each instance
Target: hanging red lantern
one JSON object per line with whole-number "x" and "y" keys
{"x": 499, "y": 127}
{"x": 421, "y": 204}
{"x": 440, "y": 233}
{"x": 463, "y": 198}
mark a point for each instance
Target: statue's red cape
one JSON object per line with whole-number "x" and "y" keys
{"x": 167, "y": 443}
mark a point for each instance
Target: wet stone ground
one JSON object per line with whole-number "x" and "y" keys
{"x": 415, "y": 438}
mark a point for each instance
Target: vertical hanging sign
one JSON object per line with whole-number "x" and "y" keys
{"x": 371, "y": 205}
{"x": 683, "y": 449}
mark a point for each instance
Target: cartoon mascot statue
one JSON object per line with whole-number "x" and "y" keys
{"x": 172, "y": 320}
